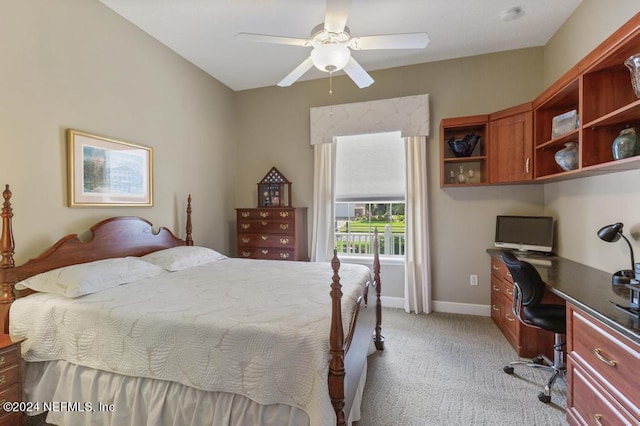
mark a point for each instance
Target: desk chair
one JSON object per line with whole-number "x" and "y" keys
{"x": 527, "y": 295}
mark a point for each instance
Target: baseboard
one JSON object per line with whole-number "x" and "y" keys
{"x": 439, "y": 306}
{"x": 392, "y": 302}
{"x": 461, "y": 308}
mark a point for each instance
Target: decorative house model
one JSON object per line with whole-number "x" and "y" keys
{"x": 274, "y": 190}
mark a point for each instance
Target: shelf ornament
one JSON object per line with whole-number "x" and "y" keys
{"x": 274, "y": 190}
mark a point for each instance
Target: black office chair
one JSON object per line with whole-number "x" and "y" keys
{"x": 527, "y": 295}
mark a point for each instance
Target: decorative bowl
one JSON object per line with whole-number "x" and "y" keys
{"x": 465, "y": 146}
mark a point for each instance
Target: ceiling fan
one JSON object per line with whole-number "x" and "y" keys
{"x": 332, "y": 44}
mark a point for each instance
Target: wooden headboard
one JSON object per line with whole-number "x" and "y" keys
{"x": 114, "y": 237}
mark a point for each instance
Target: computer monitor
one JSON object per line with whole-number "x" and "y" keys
{"x": 525, "y": 233}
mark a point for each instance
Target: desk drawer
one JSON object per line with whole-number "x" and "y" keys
{"x": 606, "y": 356}
{"x": 591, "y": 403}
{"x": 499, "y": 268}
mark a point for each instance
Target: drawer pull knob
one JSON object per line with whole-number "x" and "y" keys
{"x": 245, "y": 214}
{"x": 284, "y": 255}
{"x": 246, "y": 253}
{"x": 246, "y": 225}
{"x": 264, "y": 214}
{"x": 509, "y": 317}
{"x": 609, "y": 362}
{"x": 597, "y": 418}
{"x": 509, "y": 275}
{"x": 284, "y": 226}
{"x": 246, "y": 240}
{"x": 1, "y": 360}
{"x": 264, "y": 238}
{"x": 495, "y": 288}
{"x": 284, "y": 214}
{"x": 284, "y": 241}
{"x": 264, "y": 223}
{"x": 495, "y": 268}
{"x": 509, "y": 292}
{"x": 265, "y": 251}
{"x": 2, "y": 380}
{"x": 495, "y": 308}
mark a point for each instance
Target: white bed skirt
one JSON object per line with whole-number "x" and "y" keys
{"x": 142, "y": 401}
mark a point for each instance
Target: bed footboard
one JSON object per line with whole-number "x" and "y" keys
{"x": 337, "y": 344}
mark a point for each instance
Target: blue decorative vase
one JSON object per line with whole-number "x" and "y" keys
{"x": 626, "y": 144}
{"x": 465, "y": 146}
{"x": 567, "y": 157}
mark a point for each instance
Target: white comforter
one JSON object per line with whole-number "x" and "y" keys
{"x": 250, "y": 327}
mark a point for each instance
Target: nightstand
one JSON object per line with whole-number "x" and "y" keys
{"x": 10, "y": 379}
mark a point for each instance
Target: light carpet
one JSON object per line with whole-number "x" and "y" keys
{"x": 446, "y": 369}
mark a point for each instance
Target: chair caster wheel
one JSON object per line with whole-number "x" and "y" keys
{"x": 537, "y": 360}
{"x": 543, "y": 397}
{"x": 508, "y": 369}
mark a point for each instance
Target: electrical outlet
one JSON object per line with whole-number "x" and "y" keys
{"x": 473, "y": 279}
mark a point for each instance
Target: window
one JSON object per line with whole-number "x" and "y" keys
{"x": 370, "y": 193}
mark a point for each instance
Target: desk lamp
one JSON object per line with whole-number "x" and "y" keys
{"x": 610, "y": 234}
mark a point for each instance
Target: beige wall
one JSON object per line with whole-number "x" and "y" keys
{"x": 584, "y": 205}
{"x": 591, "y": 23}
{"x": 274, "y": 131}
{"x": 75, "y": 63}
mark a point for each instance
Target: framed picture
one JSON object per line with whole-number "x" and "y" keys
{"x": 107, "y": 172}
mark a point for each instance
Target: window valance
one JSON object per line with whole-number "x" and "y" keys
{"x": 408, "y": 114}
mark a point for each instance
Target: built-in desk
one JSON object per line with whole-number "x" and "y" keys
{"x": 603, "y": 342}
{"x": 587, "y": 288}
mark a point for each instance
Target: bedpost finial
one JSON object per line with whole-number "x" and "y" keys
{"x": 189, "y": 227}
{"x": 335, "y": 262}
{"x": 6, "y": 193}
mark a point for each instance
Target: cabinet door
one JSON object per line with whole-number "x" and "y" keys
{"x": 511, "y": 148}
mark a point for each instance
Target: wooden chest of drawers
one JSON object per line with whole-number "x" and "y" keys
{"x": 10, "y": 379}
{"x": 602, "y": 371}
{"x": 277, "y": 233}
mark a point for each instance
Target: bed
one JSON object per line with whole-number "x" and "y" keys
{"x": 173, "y": 333}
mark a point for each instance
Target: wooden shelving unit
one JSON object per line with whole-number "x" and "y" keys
{"x": 599, "y": 88}
{"x": 477, "y": 162}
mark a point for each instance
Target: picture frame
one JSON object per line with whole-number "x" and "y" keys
{"x": 104, "y": 171}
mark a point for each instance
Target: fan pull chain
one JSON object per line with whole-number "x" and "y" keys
{"x": 331, "y": 91}
{"x": 330, "y": 82}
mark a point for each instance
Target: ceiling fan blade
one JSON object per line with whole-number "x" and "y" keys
{"x": 336, "y": 13}
{"x": 296, "y": 73}
{"x": 358, "y": 74}
{"x": 390, "y": 41}
{"x": 265, "y": 38}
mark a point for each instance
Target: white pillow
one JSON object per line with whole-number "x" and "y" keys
{"x": 182, "y": 257}
{"x": 86, "y": 278}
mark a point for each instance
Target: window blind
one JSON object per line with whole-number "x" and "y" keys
{"x": 370, "y": 168}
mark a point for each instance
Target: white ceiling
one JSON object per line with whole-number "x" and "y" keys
{"x": 202, "y": 31}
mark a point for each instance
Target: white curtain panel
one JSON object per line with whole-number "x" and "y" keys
{"x": 417, "y": 281}
{"x": 323, "y": 199}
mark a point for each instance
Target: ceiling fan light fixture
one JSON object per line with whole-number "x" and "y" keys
{"x": 330, "y": 57}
